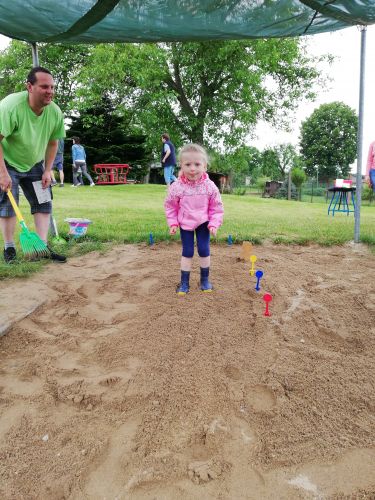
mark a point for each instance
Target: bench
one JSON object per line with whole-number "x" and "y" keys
{"x": 112, "y": 173}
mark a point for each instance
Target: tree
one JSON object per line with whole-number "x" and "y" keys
{"x": 278, "y": 160}
{"x": 271, "y": 164}
{"x": 108, "y": 139}
{"x": 329, "y": 141}
{"x": 207, "y": 92}
{"x": 298, "y": 178}
{"x": 64, "y": 61}
{"x": 288, "y": 157}
{"x": 255, "y": 163}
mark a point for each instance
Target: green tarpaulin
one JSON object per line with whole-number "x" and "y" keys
{"x": 90, "y": 21}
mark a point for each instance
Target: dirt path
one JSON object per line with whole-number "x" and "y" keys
{"x": 112, "y": 387}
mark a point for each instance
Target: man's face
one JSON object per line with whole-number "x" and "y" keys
{"x": 42, "y": 91}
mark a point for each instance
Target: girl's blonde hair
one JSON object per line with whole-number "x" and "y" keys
{"x": 193, "y": 148}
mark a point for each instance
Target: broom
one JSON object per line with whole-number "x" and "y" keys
{"x": 31, "y": 244}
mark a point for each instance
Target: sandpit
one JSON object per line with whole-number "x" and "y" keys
{"x": 112, "y": 387}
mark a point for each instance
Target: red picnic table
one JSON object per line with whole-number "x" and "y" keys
{"x": 111, "y": 173}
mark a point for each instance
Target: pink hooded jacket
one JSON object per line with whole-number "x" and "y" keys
{"x": 191, "y": 203}
{"x": 370, "y": 159}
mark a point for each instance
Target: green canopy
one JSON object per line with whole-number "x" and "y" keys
{"x": 90, "y": 21}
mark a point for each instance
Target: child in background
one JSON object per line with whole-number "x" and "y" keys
{"x": 193, "y": 204}
{"x": 79, "y": 163}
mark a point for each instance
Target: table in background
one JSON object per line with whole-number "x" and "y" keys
{"x": 343, "y": 200}
{"x": 111, "y": 173}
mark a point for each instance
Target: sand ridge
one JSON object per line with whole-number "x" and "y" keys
{"x": 113, "y": 387}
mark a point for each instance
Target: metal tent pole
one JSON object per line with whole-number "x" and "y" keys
{"x": 357, "y": 212}
{"x": 34, "y": 49}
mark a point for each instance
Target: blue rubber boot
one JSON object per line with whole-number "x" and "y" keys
{"x": 183, "y": 287}
{"x": 205, "y": 285}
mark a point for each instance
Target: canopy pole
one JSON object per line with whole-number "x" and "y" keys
{"x": 34, "y": 49}
{"x": 357, "y": 212}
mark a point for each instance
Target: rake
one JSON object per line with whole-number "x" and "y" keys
{"x": 31, "y": 244}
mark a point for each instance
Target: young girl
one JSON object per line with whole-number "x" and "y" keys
{"x": 193, "y": 204}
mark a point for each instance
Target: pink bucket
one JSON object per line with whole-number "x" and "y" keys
{"x": 78, "y": 227}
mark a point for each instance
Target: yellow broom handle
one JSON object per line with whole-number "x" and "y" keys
{"x": 14, "y": 205}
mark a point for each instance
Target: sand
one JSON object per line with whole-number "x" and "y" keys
{"x": 112, "y": 387}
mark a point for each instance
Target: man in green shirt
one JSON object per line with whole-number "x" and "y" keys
{"x": 30, "y": 126}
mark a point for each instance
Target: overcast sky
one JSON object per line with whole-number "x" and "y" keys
{"x": 345, "y": 46}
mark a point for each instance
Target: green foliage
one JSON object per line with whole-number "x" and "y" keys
{"x": 261, "y": 183}
{"x": 255, "y": 163}
{"x": 316, "y": 191}
{"x": 329, "y": 141}
{"x": 271, "y": 164}
{"x": 298, "y": 178}
{"x": 206, "y": 92}
{"x": 278, "y": 160}
{"x": 367, "y": 193}
{"x": 239, "y": 191}
{"x": 64, "y": 61}
{"x": 282, "y": 192}
{"x": 106, "y": 139}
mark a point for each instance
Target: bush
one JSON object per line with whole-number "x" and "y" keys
{"x": 317, "y": 191}
{"x": 367, "y": 193}
{"x": 261, "y": 183}
{"x": 282, "y": 192}
{"x": 240, "y": 191}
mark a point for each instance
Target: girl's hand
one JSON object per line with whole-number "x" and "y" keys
{"x": 173, "y": 230}
{"x": 213, "y": 231}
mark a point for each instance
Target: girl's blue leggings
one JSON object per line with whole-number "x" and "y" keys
{"x": 203, "y": 241}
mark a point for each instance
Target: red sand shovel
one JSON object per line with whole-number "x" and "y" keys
{"x": 267, "y": 297}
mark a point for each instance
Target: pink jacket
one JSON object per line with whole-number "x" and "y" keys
{"x": 370, "y": 158}
{"x": 190, "y": 204}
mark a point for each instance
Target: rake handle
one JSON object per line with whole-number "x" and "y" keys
{"x": 15, "y": 206}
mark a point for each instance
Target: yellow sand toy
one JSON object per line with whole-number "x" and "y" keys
{"x": 253, "y": 259}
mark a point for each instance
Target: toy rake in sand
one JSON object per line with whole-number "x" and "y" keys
{"x": 31, "y": 244}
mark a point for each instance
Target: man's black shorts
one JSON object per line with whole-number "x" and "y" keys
{"x": 25, "y": 180}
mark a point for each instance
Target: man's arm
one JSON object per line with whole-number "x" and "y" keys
{"x": 48, "y": 162}
{"x": 167, "y": 153}
{"x": 5, "y": 180}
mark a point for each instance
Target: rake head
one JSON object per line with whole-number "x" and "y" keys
{"x": 31, "y": 244}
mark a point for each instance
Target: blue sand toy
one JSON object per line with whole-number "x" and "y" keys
{"x": 151, "y": 239}
{"x": 258, "y": 275}
{"x": 230, "y": 240}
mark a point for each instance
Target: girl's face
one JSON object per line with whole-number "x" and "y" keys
{"x": 193, "y": 165}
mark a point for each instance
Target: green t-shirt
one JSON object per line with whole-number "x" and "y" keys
{"x": 26, "y": 135}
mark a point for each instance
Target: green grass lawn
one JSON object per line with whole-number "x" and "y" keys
{"x": 129, "y": 213}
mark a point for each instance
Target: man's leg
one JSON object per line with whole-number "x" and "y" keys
{"x": 8, "y": 226}
{"x": 173, "y": 178}
{"x": 8, "y": 219}
{"x": 61, "y": 173}
{"x": 167, "y": 175}
{"x": 41, "y": 221}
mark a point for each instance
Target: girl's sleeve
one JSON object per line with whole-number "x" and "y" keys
{"x": 215, "y": 209}
{"x": 73, "y": 153}
{"x": 171, "y": 206}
